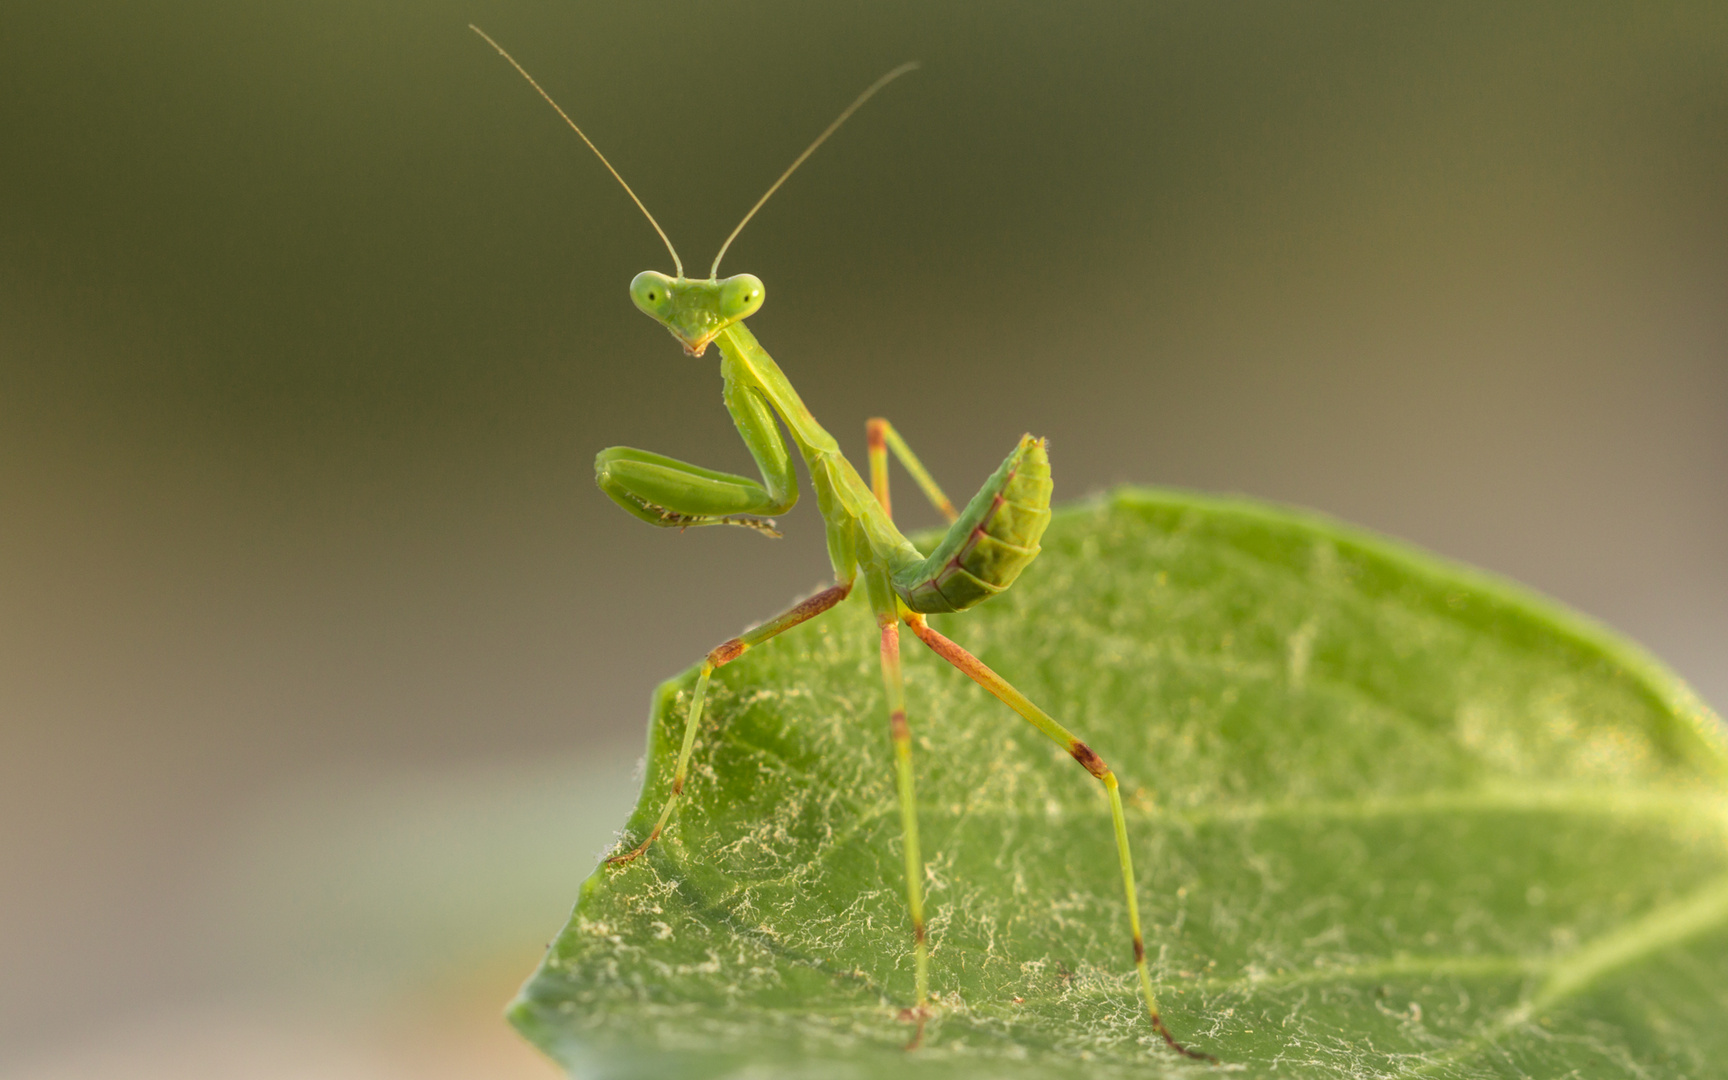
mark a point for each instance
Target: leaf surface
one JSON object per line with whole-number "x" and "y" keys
{"x": 1390, "y": 817}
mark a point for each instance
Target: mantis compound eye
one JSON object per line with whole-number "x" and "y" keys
{"x": 652, "y": 293}
{"x": 740, "y": 297}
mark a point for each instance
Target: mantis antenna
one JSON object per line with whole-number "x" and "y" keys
{"x": 677, "y": 263}
{"x": 811, "y": 149}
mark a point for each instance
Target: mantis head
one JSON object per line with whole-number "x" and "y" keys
{"x": 696, "y": 311}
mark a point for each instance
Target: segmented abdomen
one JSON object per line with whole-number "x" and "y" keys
{"x": 992, "y": 540}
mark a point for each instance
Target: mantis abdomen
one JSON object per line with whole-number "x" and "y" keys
{"x": 992, "y": 540}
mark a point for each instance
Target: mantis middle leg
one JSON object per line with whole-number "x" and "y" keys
{"x": 665, "y": 491}
{"x": 1088, "y": 759}
{"x": 882, "y": 599}
{"x": 719, "y": 657}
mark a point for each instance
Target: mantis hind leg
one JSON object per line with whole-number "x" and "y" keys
{"x": 675, "y": 494}
{"x": 719, "y": 657}
{"x": 881, "y": 437}
{"x": 1093, "y": 764}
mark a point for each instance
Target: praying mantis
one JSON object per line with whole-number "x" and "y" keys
{"x": 986, "y": 547}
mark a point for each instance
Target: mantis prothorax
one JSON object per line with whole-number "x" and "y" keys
{"x": 986, "y": 547}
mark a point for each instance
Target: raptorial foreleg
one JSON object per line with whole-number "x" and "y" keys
{"x": 675, "y": 494}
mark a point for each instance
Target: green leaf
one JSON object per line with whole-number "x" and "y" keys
{"x": 1390, "y": 817}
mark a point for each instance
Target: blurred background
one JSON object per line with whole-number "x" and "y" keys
{"x": 323, "y": 664}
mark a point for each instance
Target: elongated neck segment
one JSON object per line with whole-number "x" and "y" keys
{"x": 859, "y": 530}
{"x": 740, "y": 346}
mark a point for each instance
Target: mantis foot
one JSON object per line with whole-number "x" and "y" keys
{"x": 919, "y": 1015}
{"x": 632, "y": 855}
{"x": 1158, "y": 1023}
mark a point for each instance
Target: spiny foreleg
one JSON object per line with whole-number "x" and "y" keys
{"x": 675, "y": 494}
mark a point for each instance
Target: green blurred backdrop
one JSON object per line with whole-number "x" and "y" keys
{"x": 323, "y": 663}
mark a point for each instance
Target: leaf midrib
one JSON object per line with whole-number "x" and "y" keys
{"x": 1690, "y": 808}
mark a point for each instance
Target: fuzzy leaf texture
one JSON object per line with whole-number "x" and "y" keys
{"x": 1390, "y": 817}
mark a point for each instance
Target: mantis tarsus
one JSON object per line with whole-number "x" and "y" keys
{"x": 986, "y": 547}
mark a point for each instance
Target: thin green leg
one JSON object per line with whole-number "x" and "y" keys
{"x": 881, "y": 437}
{"x": 719, "y": 657}
{"x": 901, "y": 732}
{"x": 980, "y": 673}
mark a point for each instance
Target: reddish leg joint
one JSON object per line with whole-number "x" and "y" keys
{"x": 726, "y": 652}
{"x": 1090, "y": 761}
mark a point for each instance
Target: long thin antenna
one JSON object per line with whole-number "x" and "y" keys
{"x": 676, "y": 262}
{"x": 811, "y": 149}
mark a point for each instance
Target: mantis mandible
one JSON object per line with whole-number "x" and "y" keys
{"x": 986, "y": 546}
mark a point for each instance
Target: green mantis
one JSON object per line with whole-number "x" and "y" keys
{"x": 986, "y": 547}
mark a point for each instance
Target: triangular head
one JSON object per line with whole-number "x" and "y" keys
{"x": 696, "y": 311}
